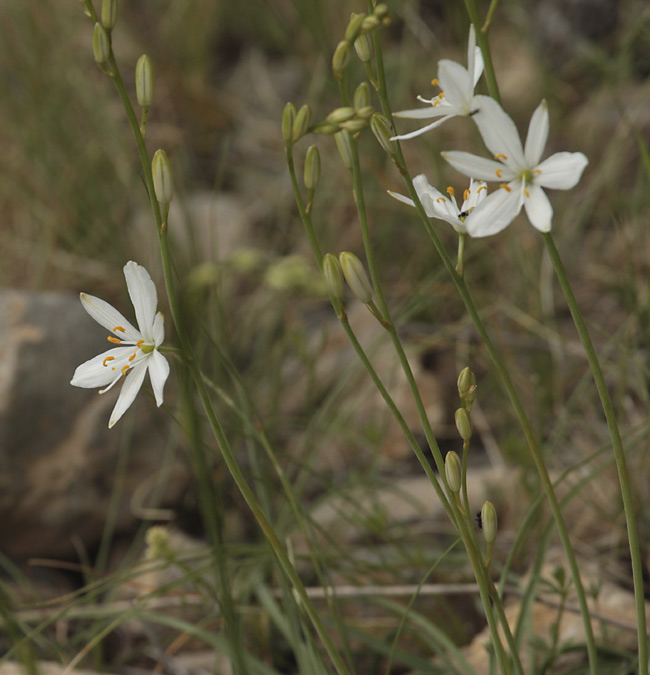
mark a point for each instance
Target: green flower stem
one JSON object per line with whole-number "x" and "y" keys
{"x": 482, "y": 41}
{"x": 500, "y": 366}
{"x": 226, "y": 450}
{"x": 466, "y": 531}
{"x": 617, "y": 445}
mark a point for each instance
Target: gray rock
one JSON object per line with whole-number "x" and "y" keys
{"x": 57, "y": 457}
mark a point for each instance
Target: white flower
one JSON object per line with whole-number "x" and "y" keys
{"x": 457, "y": 95}
{"x": 138, "y": 350}
{"x": 476, "y": 211}
{"x": 519, "y": 170}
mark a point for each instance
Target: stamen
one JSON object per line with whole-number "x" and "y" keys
{"x": 132, "y": 356}
{"x": 505, "y": 187}
{"x": 451, "y": 192}
{"x": 441, "y": 200}
{"x": 537, "y": 171}
{"x": 120, "y": 328}
{"x": 434, "y": 82}
{"x": 114, "y": 340}
{"x": 139, "y": 343}
{"x": 526, "y": 192}
{"x": 499, "y": 173}
{"x": 500, "y": 156}
{"x": 466, "y": 194}
{"x": 483, "y": 187}
{"x": 441, "y": 94}
{"x": 107, "y": 359}
{"x": 126, "y": 367}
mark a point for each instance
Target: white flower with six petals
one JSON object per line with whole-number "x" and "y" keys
{"x": 457, "y": 95}
{"x": 138, "y": 351}
{"x": 518, "y": 169}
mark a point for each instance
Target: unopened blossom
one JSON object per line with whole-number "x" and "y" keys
{"x": 457, "y": 91}
{"x": 475, "y": 211}
{"x": 518, "y": 169}
{"x": 138, "y": 350}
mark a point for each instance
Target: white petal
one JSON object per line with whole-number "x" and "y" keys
{"x": 538, "y": 208}
{"x": 494, "y": 213}
{"x": 107, "y": 316}
{"x": 457, "y": 85}
{"x": 476, "y": 73}
{"x": 158, "y": 373}
{"x": 401, "y": 198}
{"x": 560, "y": 171}
{"x": 102, "y": 369}
{"x": 130, "y": 389}
{"x": 537, "y": 135}
{"x": 418, "y": 132}
{"x": 423, "y": 113}
{"x": 158, "y": 329}
{"x": 499, "y": 132}
{"x": 142, "y": 292}
{"x": 478, "y": 167}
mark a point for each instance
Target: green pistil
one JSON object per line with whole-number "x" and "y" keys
{"x": 526, "y": 175}
{"x": 147, "y": 349}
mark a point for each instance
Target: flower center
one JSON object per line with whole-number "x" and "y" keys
{"x": 526, "y": 176}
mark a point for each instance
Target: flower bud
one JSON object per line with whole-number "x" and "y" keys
{"x": 356, "y": 276}
{"x": 362, "y": 96}
{"x": 288, "y": 117}
{"x": 86, "y": 9}
{"x": 381, "y": 129}
{"x": 344, "y": 144}
{"x": 144, "y": 81}
{"x": 341, "y": 57}
{"x": 354, "y": 125}
{"x": 467, "y": 387}
{"x": 381, "y": 11}
{"x": 363, "y": 47}
{"x": 312, "y": 167}
{"x": 353, "y": 29}
{"x": 301, "y": 123}
{"x": 162, "y": 177}
{"x": 463, "y": 424}
{"x": 341, "y": 115}
{"x": 325, "y": 128}
{"x": 453, "y": 471}
{"x": 333, "y": 275}
{"x": 370, "y": 23}
{"x": 109, "y": 13}
{"x": 101, "y": 44}
{"x": 489, "y": 521}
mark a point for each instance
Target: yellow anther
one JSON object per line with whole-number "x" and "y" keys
{"x": 107, "y": 359}
{"x": 436, "y": 103}
{"x": 441, "y": 94}
{"x": 120, "y": 328}
{"x": 132, "y": 356}
{"x": 500, "y": 156}
{"x": 527, "y": 193}
{"x": 505, "y": 187}
{"x": 537, "y": 171}
{"x": 114, "y": 340}
{"x": 483, "y": 187}
{"x": 139, "y": 343}
{"x": 499, "y": 173}
{"x": 435, "y": 82}
{"x": 450, "y": 191}
{"x": 466, "y": 194}
{"x": 126, "y": 367}
{"x": 441, "y": 200}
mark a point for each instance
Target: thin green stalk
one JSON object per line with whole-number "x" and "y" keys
{"x": 222, "y": 441}
{"x": 498, "y": 362}
{"x": 617, "y": 445}
{"x": 482, "y": 42}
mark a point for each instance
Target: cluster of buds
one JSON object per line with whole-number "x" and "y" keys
{"x": 356, "y": 36}
{"x": 346, "y": 118}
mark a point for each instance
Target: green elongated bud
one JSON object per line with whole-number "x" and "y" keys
{"x": 344, "y": 144}
{"x": 101, "y": 44}
{"x": 463, "y": 423}
{"x": 341, "y": 115}
{"x": 144, "y": 81}
{"x": 354, "y": 125}
{"x": 86, "y": 9}
{"x": 453, "y": 470}
{"x": 333, "y": 275}
{"x": 381, "y": 11}
{"x": 312, "y": 167}
{"x": 163, "y": 183}
{"x": 353, "y": 29}
{"x": 341, "y": 57}
{"x": 288, "y": 118}
{"x": 370, "y": 23}
{"x": 362, "y": 96}
{"x": 381, "y": 129}
{"x": 109, "y": 13}
{"x": 365, "y": 112}
{"x": 467, "y": 387}
{"x": 489, "y": 522}
{"x": 325, "y": 128}
{"x": 363, "y": 48}
{"x": 355, "y": 275}
{"x": 301, "y": 123}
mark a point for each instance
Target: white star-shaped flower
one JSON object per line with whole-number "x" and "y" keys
{"x": 138, "y": 350}
{"x": 457, "y": 95}
{"x": 519, "y": 171}
{"x": 476, "y": 211}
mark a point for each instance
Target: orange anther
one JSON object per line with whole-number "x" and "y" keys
{"x": 114, "y": 340}
{"x": 537, "y": 171}
{"x": 499, "y": 173}
{"x": 483, "y": 187}
{"x": 505, "y": 187}
{"x": 527, "y": 193}
{"x": 434, "y": 82}
{"x": 120, "y": 328}
{"x": 441, "y": 200}
{"x": 107, "y": 359}
{"x": 500, "y": 156}
{"x": 451, "y": 192}
{"x": 466, "y": 194}
{"x": 132, "y": 356}
{"x": 126, "y": 367}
